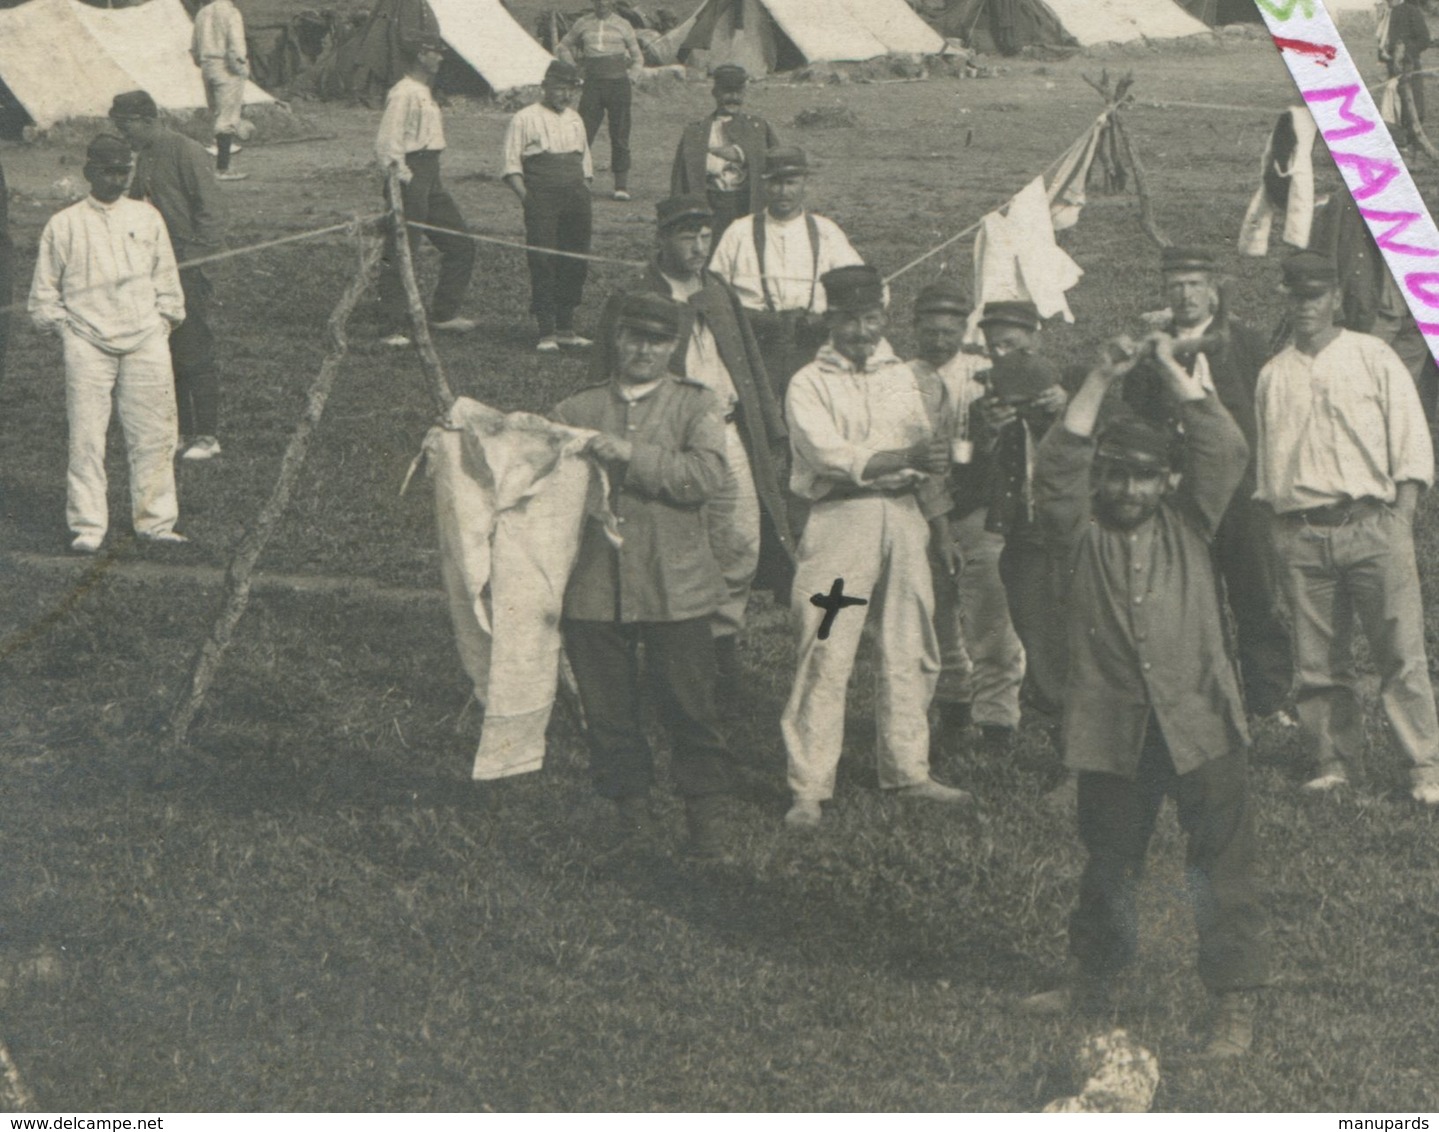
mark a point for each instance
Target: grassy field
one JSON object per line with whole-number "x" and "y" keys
{"x": 320, "y": 911}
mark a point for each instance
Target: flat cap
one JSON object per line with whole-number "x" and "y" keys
{"x": 560, "y": 73}
{"x": 109, "y": 152}
{"x": 1020, "y": 376}
{"x": 134, "y": 104}
{"x": 650, "y": 315}
{"x": 785, "y": 161}
{"x": 729, "y": 76}
{"x": 1012, "y": 312}
{"x": 686, "y": 208}
{"x": 1309, "y": 273}
{"x": 1136, "y": 443}
{"x": 943, "y": 298}
{"x": 856, "y": 287}
{"x": 1181, "y": 258}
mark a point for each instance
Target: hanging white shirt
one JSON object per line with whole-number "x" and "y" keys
{"x": 790, "y": 265}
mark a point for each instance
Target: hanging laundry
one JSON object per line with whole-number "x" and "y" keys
{"x": 513, "y": 492}
{"x": 1067, "y": 195}
{"x": 1016, "y": 257}
{"x": 1286, "y": 185}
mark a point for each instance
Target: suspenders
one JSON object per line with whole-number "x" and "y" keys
{"x": 812, "y": 228}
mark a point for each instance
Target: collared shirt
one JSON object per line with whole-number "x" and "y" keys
{"x": 724, "y": 174}
{"x": 841, "y": 417}
{"x": 107, "y": 272}
{"x": 177, "y": 176}
{"x": 789, "y": 260}
{"x": 219, "y": 33}
{"x": 665, "y": 571}
{"x": 1344, "y": 424}
{"x": 538, "y": 129}
{"x": 591, "y": 37}
{"x": 1200, "y": 372}
{"x": 411, "y": 123}
{"x": 702, "y": 357}
{"x": 1144, "y": 627}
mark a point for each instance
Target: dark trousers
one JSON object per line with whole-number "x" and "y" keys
{"x": 680, "y": 670}
{"x": 1414, "y": 85}
{"x": 1024, "y": 570}
{"x": 788, "y": 341}
{"x": 192, "y": 354}
{"x": 561, "y": 217}
{"x": 1116, "y": 821}
{"x": 611, "y": 97}
{"x": 1245, "y": 561}
{"x": 7, "y": 269}
{"x": 727, "y": 208}
{"x": 427, "y": 202}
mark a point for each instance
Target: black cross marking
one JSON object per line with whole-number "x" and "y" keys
{"x": 832, "y": 603}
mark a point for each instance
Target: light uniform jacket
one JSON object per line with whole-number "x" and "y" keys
{"x": 665, "y": 570}
{"x": 1145, "y": 632}
{"x": 754, "y": 137}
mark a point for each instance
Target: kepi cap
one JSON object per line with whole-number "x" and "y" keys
{"x": 1307, "y": 274}
{"x": 650, "y": 315}
{"x": 1190, "y": 258}
{"x": 1135, "y": 443}
{"x": 1021, "y": 376}
{"x": 1012, "y": 312}
{"x": 856, "y": 287}
{"x": 688, "y": 208}
{"x": 943, "y": 298}
{"x": 785, "y": 161}
{"x": 729, "y": 76}
{"x": 134, "y": 104}
{"x": 560, "y": 73}
{"x": 108, "y": 152}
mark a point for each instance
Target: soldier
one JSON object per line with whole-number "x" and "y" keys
{"x": 610, "y": 52}
{"x": 723, "y": 154}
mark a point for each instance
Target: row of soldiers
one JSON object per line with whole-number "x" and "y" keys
{"x": 1125, "y": 500}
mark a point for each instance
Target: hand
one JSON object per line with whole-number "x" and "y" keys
{"x": 1163, "y": 347}
{"x": 930, "y": 456}
{"x": 1117, "y": 357}
{"x": 609, "y": 449}
{"x": 994, "y": 414}
{"x": 946, "y": 556}
{"x": 1052, "y": 400}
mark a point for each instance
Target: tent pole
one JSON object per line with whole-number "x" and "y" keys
{"x": 238, "y": 576}
{"x": 419, "y": 324}
{"x": 1141, "y": 186}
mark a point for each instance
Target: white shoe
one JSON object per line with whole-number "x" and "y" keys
{"x": 86, "y": 544}
{"x": 620, "y": 194}
{"x": 573, "y": 341}
{"x": 455, "y": 325}
{"x": 932, "y": 791}
{"x": 214, "y": 150}
{"x": 1325, "y": 783}
{"x": 167, "y": 538}
{"x": 549, "y": 344}
{"x": 397, "y": 340}
{"x": 204, "y": 448}
{"x": 1427, "y": 795}
{"x": 804, "y": 814}
{"x": 1281, "y": 718}
{"x": 231, "y": 175}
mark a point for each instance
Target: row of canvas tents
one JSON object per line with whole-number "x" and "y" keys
{"x": 63, "y": 58}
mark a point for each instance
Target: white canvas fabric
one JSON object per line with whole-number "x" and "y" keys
{"x": 1120, "y": 21}
{"x": 491, "y": 41}
{"x": 513, "y": 492}
{"x": 64, "y": 59}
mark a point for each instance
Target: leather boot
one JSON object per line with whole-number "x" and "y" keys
{"x": 954, "y": 721}
{"x": 1231, "y": 1026}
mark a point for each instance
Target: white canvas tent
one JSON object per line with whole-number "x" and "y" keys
{"x": 766, "y": 35}
{"x": 989, "y": 25}
{"x": 63, "y": 59}
{"x": 490, "y": 40}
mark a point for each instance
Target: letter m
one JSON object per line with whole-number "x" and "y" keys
{"x": 1346, "y": 96}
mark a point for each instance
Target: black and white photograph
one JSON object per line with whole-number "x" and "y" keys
{"x": 719, "y": 556}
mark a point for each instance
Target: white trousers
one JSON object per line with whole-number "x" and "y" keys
{"x": 142, "y": 385}
{"x": 732, "y": 515}
{"x": 878, "y": 545}
{"x": 225, "y": 92}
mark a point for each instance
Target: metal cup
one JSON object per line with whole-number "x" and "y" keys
{"x": 961, "y": 451}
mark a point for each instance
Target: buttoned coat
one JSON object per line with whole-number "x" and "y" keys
{"x": 1145, "y": 631}
{"x": 665, "y": 571}
{"x": 754, "y": 136}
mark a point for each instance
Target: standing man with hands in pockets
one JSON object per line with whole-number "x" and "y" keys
{"x": 610, "y": 52}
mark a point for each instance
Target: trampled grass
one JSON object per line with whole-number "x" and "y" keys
{"x": 317, "y": 909}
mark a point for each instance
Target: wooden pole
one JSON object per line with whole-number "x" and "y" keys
{"x": 1146, "y": 205}
{"x": 252, "y": 544}
{"x": 419, "y": 324}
